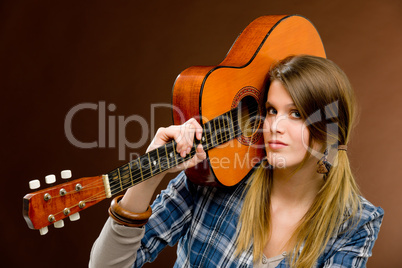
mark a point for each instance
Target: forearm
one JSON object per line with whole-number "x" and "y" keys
{"x": 138, "y": 197}
{"x": 116, "y": 246}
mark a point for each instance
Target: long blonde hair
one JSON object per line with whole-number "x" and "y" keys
{"x": 314, "y": 84}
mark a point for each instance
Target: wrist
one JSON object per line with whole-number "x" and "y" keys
{"x": 126, "y": 217}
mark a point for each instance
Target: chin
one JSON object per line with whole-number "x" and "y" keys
{"x": 282, "y": 161}
{"x": 276, "y": 160}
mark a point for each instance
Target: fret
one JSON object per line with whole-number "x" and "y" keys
{"x": 170, "y": 154}
{"x": 220, "y": 131}
{"x": 167, "y": 157}
{"x": 215, "y": 132}
{"x": 206, "y": 134}
{"x": 118, "y": 172}
{"x": 235, "y": 123}
{"x": 225, "y": 127}
{"x": 231, "y": 121}
{"x": 140, "y": 165}
{"x": 150, "y": 164}
{"x": 135, "y": 167}
{"x": 159, "y": 161}
{"x": 154, "y": 162}
{"x": 124, "y": 175}
{"x": 131, "y": 172}
{"x": 211, "y": 133}
{"x": 114, "y": 181}
{"x": 204, "y": 140}
{"x": 145, "y": 167}
{"x": 174, "y": 152}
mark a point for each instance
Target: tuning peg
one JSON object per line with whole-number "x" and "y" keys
{"x": 75, "y": 216}
{"x": 50, "y": 179}
{"x": 43, "y": 230}
{"x": 66, "y": 174}
{"x": 59, "y": 224}
{"x": 34, "y": 184}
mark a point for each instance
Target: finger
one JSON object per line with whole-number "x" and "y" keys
{"x": 185, "y": 143}
{"x": 194, "y": 129}
{"x": 198, "y": 157}
{"x": 164, "y": 135}
{"x": 200, "y": 153}
{"x": 197, "y": 128}
{"x": 181, "y": 141}
{"x": 189, "y": 134}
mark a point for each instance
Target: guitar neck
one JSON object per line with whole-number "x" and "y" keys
{"x": 215, "y": 132}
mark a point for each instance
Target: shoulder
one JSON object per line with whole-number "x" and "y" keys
{"x": 354, "y": 241}
{"x": 366, "y": 222}
{"x": 369, "y": 212}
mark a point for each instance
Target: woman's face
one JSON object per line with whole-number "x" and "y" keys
{"x": 285, "y": 135}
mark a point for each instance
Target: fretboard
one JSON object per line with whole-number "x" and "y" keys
{"x": 215, "y": 132}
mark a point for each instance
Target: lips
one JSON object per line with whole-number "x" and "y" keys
{"x": 276, "y": 144}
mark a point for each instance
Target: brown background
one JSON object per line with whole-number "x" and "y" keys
{"x": 57, "y": 54}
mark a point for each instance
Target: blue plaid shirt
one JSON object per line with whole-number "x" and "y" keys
{"x": 203, "y": 221}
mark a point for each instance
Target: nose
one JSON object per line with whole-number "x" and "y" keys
{"x": 276, "y": 125}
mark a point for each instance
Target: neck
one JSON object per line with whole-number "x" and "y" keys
{"x": 296, "y": 188}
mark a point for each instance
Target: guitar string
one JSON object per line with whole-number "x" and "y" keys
{"x": 152, "y": 154}
{"x": 130, "y": 182}
{"x": 127, "y": 179}
{"x": 126, "y": 176}
{"x": 102, "y": 195}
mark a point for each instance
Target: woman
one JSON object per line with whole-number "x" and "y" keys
{"x": 300, "y": 208}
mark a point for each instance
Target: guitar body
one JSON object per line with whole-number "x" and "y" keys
{"x": 205, "y": 92}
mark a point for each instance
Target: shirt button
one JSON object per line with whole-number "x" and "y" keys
{"x": 264, "y": 260}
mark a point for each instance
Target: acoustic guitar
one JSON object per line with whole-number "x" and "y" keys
{"x": 226, "y": 99}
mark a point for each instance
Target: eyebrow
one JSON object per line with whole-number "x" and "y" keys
{"x": 287, "y": 105}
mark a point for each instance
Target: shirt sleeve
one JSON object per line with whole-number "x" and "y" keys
{"x": 172, "y": 213}
{"x": 116, "y": 246}
{"x": 122, "y": 246}
{"x": 354, "y": 248}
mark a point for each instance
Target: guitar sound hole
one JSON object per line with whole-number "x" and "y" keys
{"x": 248, "y": 116}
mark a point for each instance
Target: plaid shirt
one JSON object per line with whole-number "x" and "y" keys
{"x": 203, "y": 220}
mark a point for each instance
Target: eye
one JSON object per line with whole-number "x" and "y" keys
{"x": 295, "y": 114}
{"x": 271, "y": 111}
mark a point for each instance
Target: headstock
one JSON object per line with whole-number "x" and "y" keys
{"x": 51, "y": 205}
